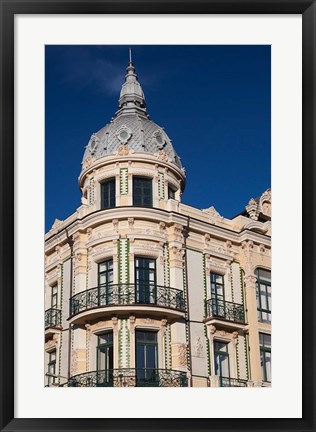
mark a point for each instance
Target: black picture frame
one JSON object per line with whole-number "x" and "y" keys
{"x": 8, "y": 9}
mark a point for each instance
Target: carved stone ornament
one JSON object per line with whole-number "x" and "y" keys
{"x": 132, "y": 322}
{"x": 93, "y": 144}
{"x": 131, "y": 223}
{"x": 88, "y": 162}
{"x": 163, "y": 327}
{"x": 115, "y": 223}
{"x": 212, "y": 213}
{"x": 57, "y": 223}
{"x": 183, "y": 355}
{"x": 162, "y": 155}
{"x": 198, "y": 347}
{"x": 124, "y": 134}
{"x": 89, "y": 233}
{"x": 52, "y": 343}
{"x": 235, "y": 338}
{"x": 266, "y": 196}
{"x": 115, "y": 325}
{"x": 253, "y": 209}
{"x": 74, "y": 362}
{"x": 212, "y": 330}
{"x": 123, "y": 150}
{"x": 58, "y": 250}
{"x": 159, "y": 138}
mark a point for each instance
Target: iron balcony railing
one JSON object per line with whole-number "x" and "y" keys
{"x": 52, "y": 317}
{"x": 228, "y": 311}
{"x": 232, "y": 382}
{"x": 126, "y": 294}
{"x": 130, "y": 378}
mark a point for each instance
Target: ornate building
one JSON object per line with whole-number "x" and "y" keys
{"x": 143, "y": 290}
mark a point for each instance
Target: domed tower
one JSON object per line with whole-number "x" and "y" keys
{"x": 121, "y": 295}
{"x": 143, "y": 290}
{"x": 131, "y": 161}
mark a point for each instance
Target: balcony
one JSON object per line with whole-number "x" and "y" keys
{"x": 224, "y": 310}
{"x": 130, "y": 378}
{"x": 130, "y": 296}
{"x": 52, "y": 318}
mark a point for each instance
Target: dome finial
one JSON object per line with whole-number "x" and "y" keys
{"x": 132, "y": 97}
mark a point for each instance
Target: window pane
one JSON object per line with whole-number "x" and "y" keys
{"x": 108, "y": 193}
{"x": 151, "y": 356}
{"x": 140, "y": 356}
{"x": 224, "y": 366}
{"x": 142, "y": 191}
{"x": 264, "y": 275}
{"x": 268, "y": 366}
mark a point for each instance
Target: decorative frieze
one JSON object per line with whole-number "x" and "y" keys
{"x": 177, "y": 257}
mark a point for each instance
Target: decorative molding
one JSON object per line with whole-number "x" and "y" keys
{"x": 115, "y": 325}
{"x": 124, "y": 134}
{"x": 115, "y": 223}
{"x": 131, "y": 223}
{"x": 183, "y": 354}
{"x": 198, "y": 347}
{"x": 132, "y": 322}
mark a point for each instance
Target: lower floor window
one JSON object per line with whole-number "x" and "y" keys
{"x": 221, "y": 362}
{"x": 51, "y": 367}
{"x": 147, "y": 356}
{"x": 265, "y": 356}
{"x": 105, "y": 359}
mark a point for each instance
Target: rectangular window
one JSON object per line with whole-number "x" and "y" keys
{"x": 105, "y": 359}
{"x": 145, "y": 280}
{"x": 263, "y": 292}
{"x": 221, "y": 362}
{"x": 54, "y": 297}
{"x": 217, "y": 295}
{"x": 108, "y": 194}
{"x": 51, "y": 369}
{"x": 171, "y": 193}
{"x": 147, "y": 358}
{"x": 265, "y": 356}
{"x": 105, "y": 279}
{"x": 142, "y": 192}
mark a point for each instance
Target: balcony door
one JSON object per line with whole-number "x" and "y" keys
{"x": 145, "y": 280}
{"x": 105, "y": 360}
{"x": 221, "y": 363}
{"x": 217, "y": 295}
{"x": 146, "y": 358}
{"x": 105, "y": 284}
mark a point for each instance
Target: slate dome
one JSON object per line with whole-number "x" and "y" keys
{"x": 131, "y": 126}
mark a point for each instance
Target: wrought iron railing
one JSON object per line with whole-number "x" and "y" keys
{"x": 229, "y": 311}
{"x": 129, "y": 378}
{"x": 126, "y": 294}
{"x": 232, "y": 382}
{"x": 52, "y": 317}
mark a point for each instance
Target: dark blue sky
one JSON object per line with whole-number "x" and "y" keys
{"x": 213, "y": 101}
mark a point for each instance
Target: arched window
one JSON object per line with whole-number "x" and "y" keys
{"x": 263, "y": 289}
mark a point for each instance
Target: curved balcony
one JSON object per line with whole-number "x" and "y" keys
{"x": 127, "y": 297}
{"x": 52, "y": 318}
{"x": 130, "y": 378}
{"x": 226, "y": 311}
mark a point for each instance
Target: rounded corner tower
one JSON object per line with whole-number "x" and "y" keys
{"x": 134, "y": 151}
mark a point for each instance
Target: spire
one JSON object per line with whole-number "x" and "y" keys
{"x": 132, "y": 99}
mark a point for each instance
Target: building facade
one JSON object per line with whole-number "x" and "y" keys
{"x": 143, "y": 290}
